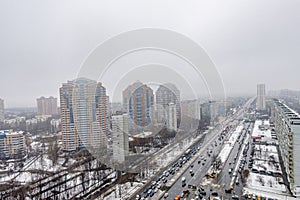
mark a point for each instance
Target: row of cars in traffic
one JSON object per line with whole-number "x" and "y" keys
{"x": 163, "y": 178}
{"x": 179, "y": 163}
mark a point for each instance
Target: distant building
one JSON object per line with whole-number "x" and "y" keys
{"x": 171, "y": 116}
{"x": 211, "y": 110}
{"x": 47, "y": 106}
{"x": 55, "y": 125}
{"x": 261, "y": 97}
{"x": 84, "y": 114}
{"x": 165, "y": 94}
{"x": 1, "y": 110}
{"x": 138, "y": 99}
{"x": 127, "y": 93}
{"x": 191, "y": 109}
{"x": 120, "y": 137}
{"x": 12, "y": 144}
{"x": 287, "y": 127}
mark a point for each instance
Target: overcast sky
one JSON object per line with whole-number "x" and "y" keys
{"x": 43, "y": 43}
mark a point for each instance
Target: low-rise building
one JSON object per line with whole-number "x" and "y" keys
{"x": 12, "y": 144}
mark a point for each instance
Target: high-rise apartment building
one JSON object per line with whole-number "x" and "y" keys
{"x": 138, "y": 99}
{"x": 84, "y": 114}
{"x": 287, "y": 126}
{"x": 1, "y": 110}
{"x": 47, "y": 106}
{"x": 120, "y": 137}
{"x": 127, "y": 93}
{"x": 261, "y": 97}
{"x": 166, "y": 94}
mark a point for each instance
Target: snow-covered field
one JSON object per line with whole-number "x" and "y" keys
{"x": 265, "y": 183}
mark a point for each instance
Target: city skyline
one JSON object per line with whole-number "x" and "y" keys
{"x": 150, "y": 100}
{"x": 250, "y": 45}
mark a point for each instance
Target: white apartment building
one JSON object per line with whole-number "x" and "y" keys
{"x": 120, "y": 137}
{"x": 171, "y": 117}
{"x": 287, "y": 126}
{"x": 261, "y": 97}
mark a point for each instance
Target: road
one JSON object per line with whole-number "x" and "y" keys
{"x": 211, "y": 145}
{"x": 201, "y": 169}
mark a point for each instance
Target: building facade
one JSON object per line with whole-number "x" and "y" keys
{"x": 287, "y": 126}
{"x": 261, "y": 97}
{"x": 47, "y": 106}
{"x": 84, "y": 115}
{"x": 191, "y": 109}
{"x": 120, "y": 137}
{"x": 138, "y": 99}
{"x": 127, "y": 93}
{"x": 12, "y": 144}
{"x": 1, "y": 110}
{"x": 166, "y": 94}
{"x": 171, "y": 116}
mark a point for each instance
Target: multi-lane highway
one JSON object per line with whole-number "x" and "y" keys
{"x": 189, "y": 169}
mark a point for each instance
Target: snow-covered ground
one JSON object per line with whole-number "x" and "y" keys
{"x": 265, "y": 183}
{"x": 124, "y": 191}
{"x": 265, "y": 133}
{"x": 227, "y": 147}
{"x": 265, "y": 160}
{"x": 266, "y": 166}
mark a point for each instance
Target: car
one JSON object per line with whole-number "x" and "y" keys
{"x": 166, "y": 195}
{"x": 235, "y": 197}
{"x": 199, "y": 161}
{"x": 270, "y": 173}
{"x": 214, "y": 193}
{"x": 152, "y": 194}
{"x": 177, "y": 197}
{"x": 186, "y": 191}
{"x": 249, "y": 196}
{"x": 202, "y": 192}
{"x": 228, "y": 190}
{"x": 192, "y": 165}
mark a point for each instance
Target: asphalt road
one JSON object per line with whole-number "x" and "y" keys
{"x": 199, "y": 170}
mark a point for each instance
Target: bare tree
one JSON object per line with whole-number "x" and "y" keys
{"x": 261, "y": 180}
{"x": 270, "y": 183}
